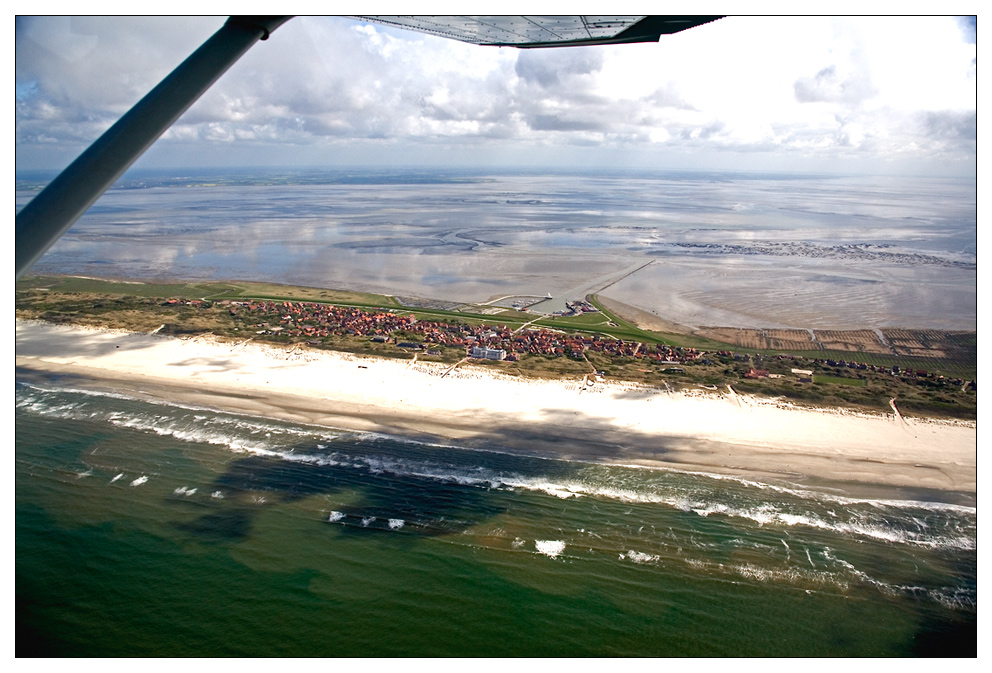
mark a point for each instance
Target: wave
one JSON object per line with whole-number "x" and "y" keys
{"x": 926, "y": 524}
{"x": 830, "y": 573}
{"x": 264, "y": 433}
{"x": 551, "y": 548}
{"x": 253, "y": 424}
{"x": 639, "y": 557}
{"x": 894, "y": 526}
{"x": 824, "y": 496}
{"x": 858, "y": 524}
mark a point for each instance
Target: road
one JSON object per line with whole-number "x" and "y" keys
{"x": 549, "y": 306}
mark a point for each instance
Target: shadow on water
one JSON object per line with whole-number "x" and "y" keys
{"x": 227, "y": 524}
{"x": 388, "y": 497}
{"x": 947, "y": 637}
{"x": 423, "y": 488}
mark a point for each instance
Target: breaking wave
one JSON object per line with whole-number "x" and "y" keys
{"x": 551, "y": 548}
{"x": 773, "y": 506}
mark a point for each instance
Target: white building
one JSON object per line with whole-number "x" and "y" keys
{"x": 488, "y": 353}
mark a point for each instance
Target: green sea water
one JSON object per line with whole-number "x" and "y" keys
{"x": 149, "y": 529}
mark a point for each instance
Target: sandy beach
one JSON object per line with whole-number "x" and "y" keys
{"x": 719, "y": 432}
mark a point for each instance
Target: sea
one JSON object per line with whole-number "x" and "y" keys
{"x": 145, "y": 528}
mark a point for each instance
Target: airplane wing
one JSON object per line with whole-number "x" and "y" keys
{"x": 527, "y": 32}
{"x": 50, "y": 214}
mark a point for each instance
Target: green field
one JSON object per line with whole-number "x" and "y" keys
{"x": 838, "y": 380}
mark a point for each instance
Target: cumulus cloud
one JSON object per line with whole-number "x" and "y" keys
{"x": 549, "y": 68}
{"x": 99, "y": 65}
{"x": 958, "y": 126}
{"x": 968, "y": 25}
{"x": 828, "y": 86}
{"x": 322, "y": 88}
{"x": 668, "y": 96}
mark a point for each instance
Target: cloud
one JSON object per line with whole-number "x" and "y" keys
{"x": 968, "y": 25}
{"x": 100, "y": 65}
{"x": 322, "y": 88}
{"x": 827, "y": 86}
{"x": 668, "y": 96}
{"x": 552, "y": 122}
{"x": 549, "y": 68}
{"x": 956, "y": 126}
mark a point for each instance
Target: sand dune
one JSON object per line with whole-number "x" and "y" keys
{"x": 617, "y": 422}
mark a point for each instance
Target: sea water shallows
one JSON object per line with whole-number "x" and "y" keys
{"x": 478, "y": 540}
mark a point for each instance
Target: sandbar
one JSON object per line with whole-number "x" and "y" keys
{"x": 717, "y": 432}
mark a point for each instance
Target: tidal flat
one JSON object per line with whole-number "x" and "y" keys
{"x": 706, "y": 249}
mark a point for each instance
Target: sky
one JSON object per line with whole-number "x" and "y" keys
{"x": 862, "y": 95}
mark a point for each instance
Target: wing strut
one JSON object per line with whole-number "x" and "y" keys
{"x": 42, "y": 221}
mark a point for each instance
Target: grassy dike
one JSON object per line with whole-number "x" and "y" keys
{"x": 140, "y": 307}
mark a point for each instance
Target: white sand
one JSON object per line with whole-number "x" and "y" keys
{"x": 615, "y": 422}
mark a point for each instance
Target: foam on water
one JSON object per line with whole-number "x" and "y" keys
{"x": 859, "y": 524}
{"x": 766, "y": 514}
{"x": 925, "y": 524}
{"x": 823, "y": 496}
{"x": 639, "y": 557}
{"x": 837, "y": 575}
{"x": 552, "y": 548}
{"x": 181, "y": 430}
{"x": 41, "y": 402}
{"x": 41, "y": 390}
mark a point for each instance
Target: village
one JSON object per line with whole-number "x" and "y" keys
{"x": 313, "y": 322}
{"x": 309, "y": 320}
